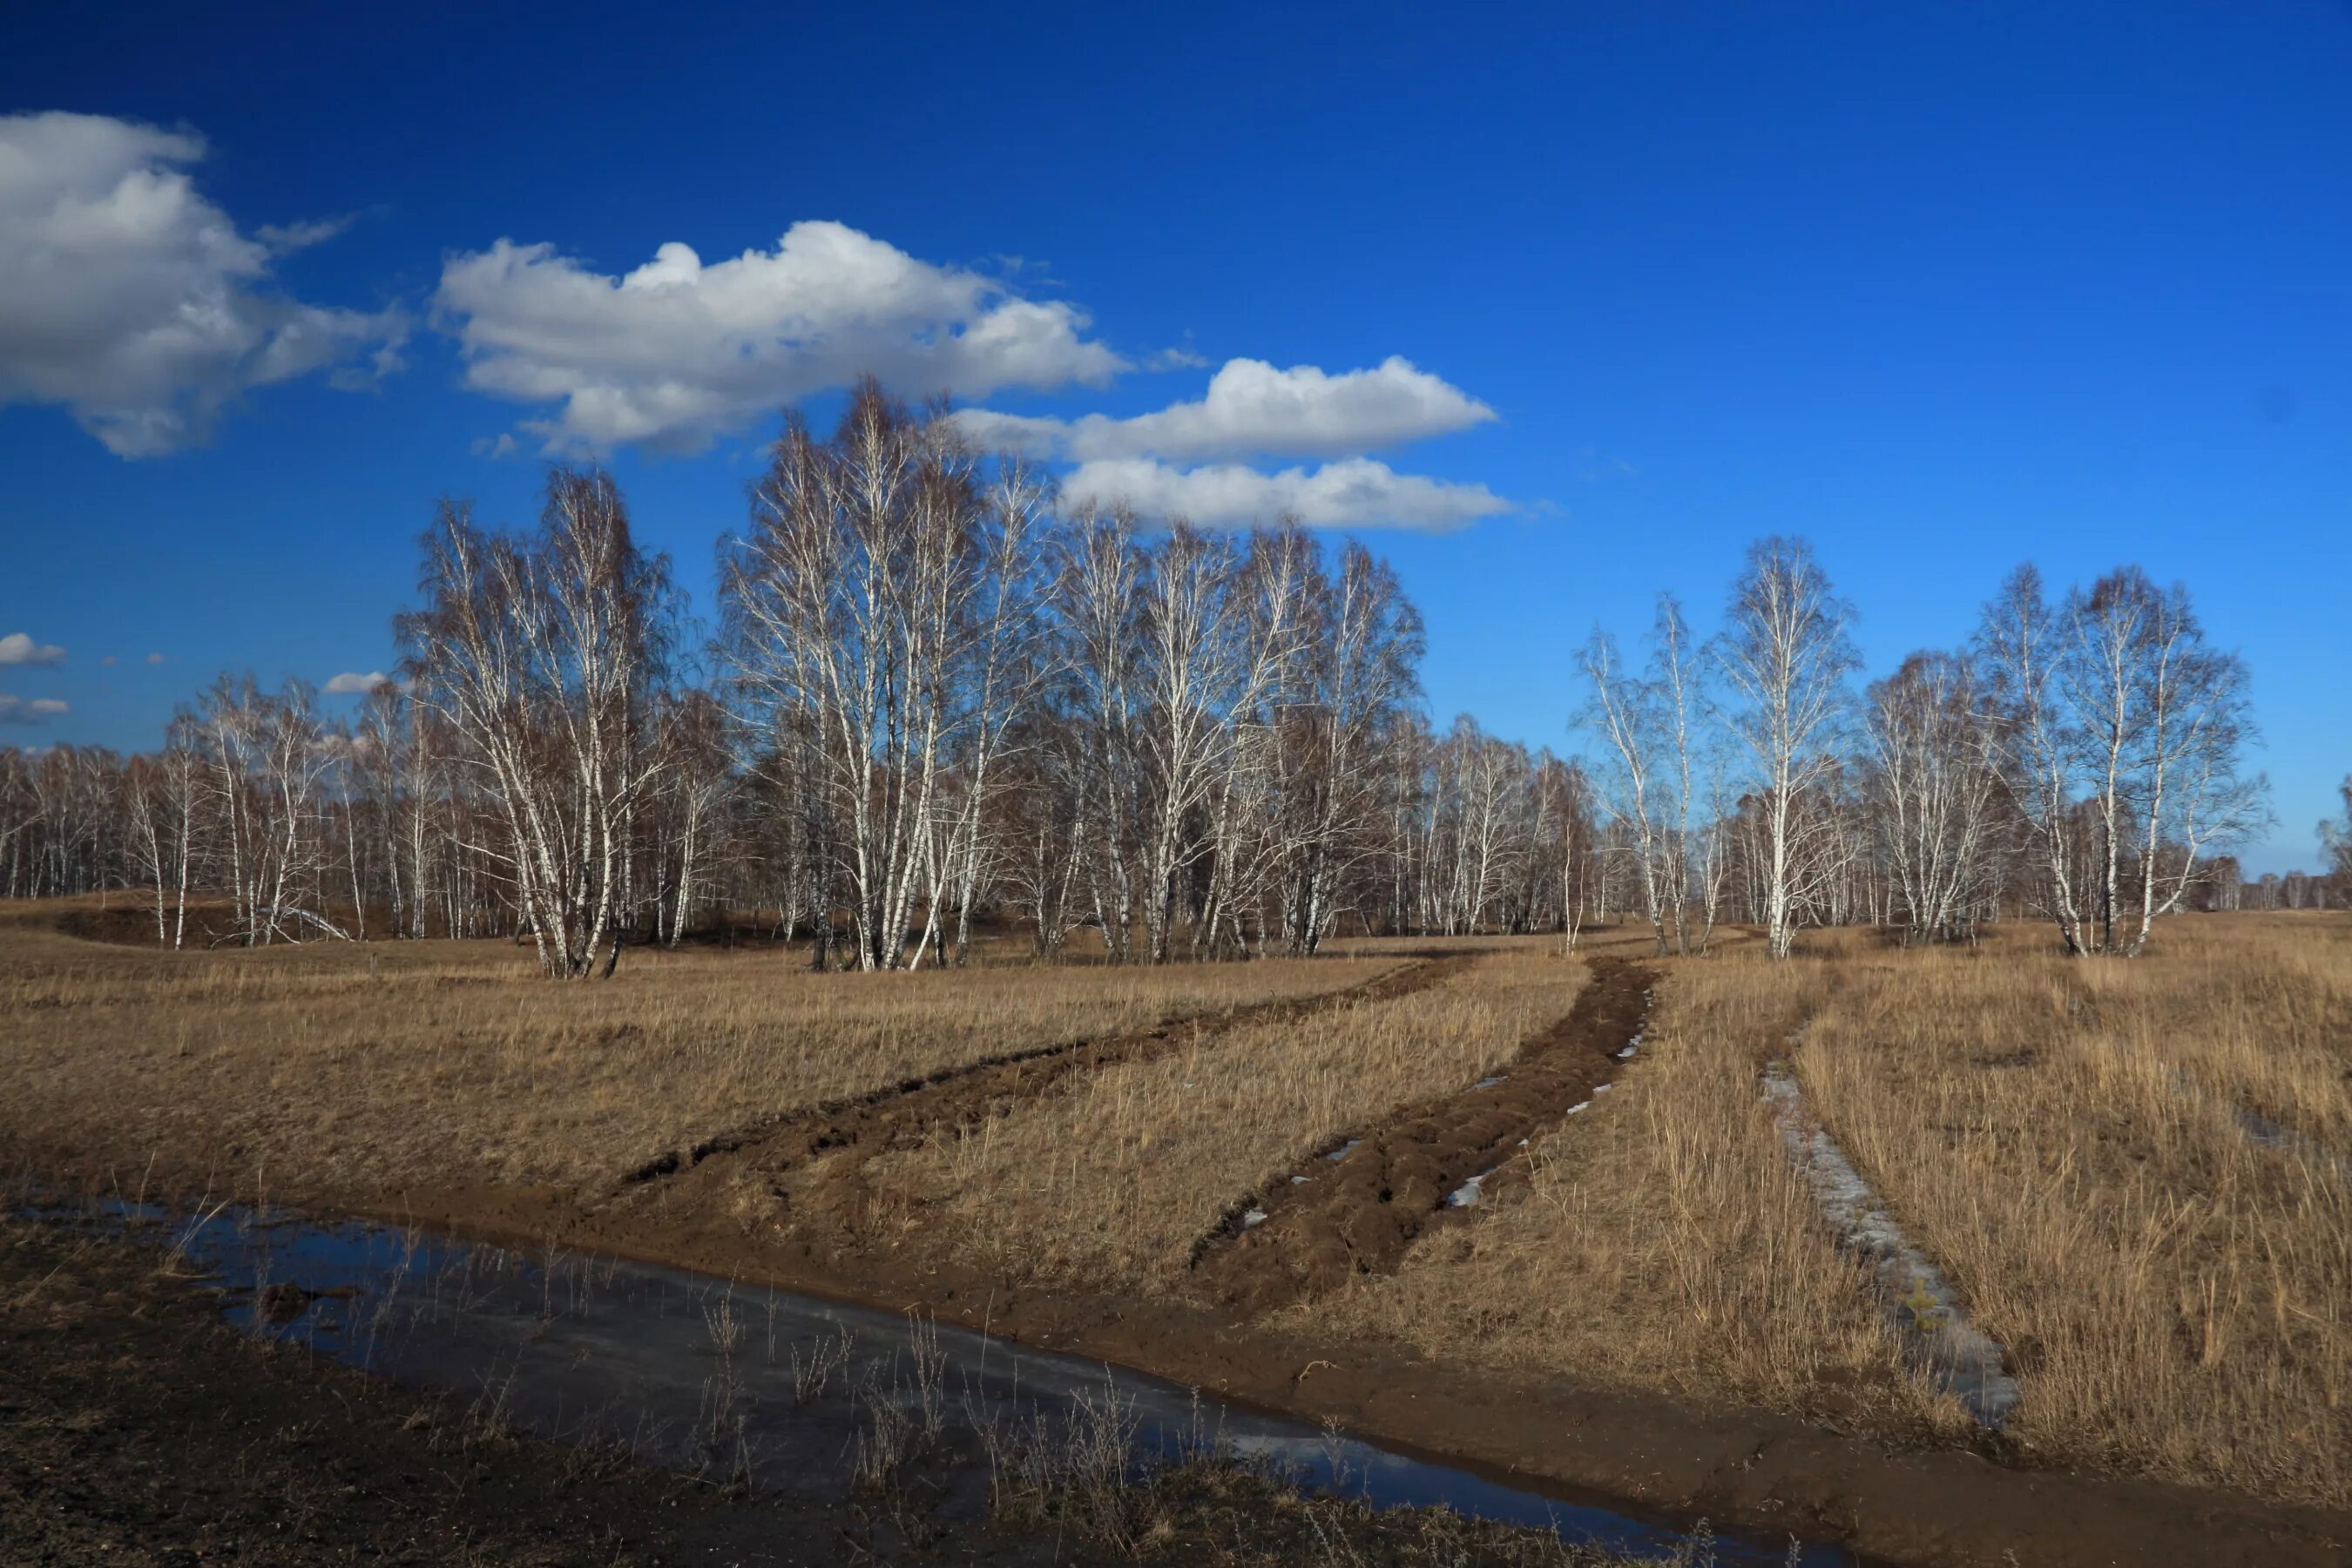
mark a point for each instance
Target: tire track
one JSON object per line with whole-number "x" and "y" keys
{"x": 1358, "y": 1209}
{"x": 810, "y": 1159}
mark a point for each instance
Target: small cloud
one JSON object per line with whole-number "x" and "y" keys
{"x": 351, "y": 683}
{"x": 1255, "y": 408}
{"x": 1175, "y": 359}
{"x": 1355, "y": 492}
{"x": 285, "y": 238}
{"x": 17, "y": 710}
{"x": 502, "y": 447}
{"x": 1593, "y": 464}
{"x": 18, "y": 647}
{"x": 155, "y": 658}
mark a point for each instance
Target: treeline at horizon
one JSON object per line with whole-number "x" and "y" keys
{"x": 936, "y": 701}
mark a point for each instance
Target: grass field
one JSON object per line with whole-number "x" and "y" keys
{"x": 2174, "y": 1282}
{"x": 445, "y": 1062}
{"x": 2078, "y": 1142}
{"x": 1112, "y": 1181}
{"x": 2135, "y": 1173}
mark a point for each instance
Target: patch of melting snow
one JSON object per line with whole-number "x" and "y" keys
{"x": 1490, "y": 1082}
{"x": 1297, "y": 1180}
{"x": 1580, "y": 1105}
{"x": 1930, "y": 1321}
{"x": 1601, "y": 1088}
{"x": 1253, "y": 1219}
{"x": 1467, "y": 1194}
{"x": 1343, "y": 1151}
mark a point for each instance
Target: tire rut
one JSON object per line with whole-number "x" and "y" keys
{"x": 783, "y": 1153}
{"x": 1358, "y": 1209}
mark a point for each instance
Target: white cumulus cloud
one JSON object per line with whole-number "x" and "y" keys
{"x": 351, "y": 683}
{"x": 1253, "y": 409}
{"x": 18, "y": 647}
{"x": 18, "y": 711}
{"x": 675, "y": 352}
{"x": 134, "y": 302}
{"x": 1354, "y": 492}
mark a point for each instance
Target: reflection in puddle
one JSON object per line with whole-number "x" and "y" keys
{"x": 784, "y": 1392}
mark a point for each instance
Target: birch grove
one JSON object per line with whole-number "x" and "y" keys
{"x": 2081, "y": 762}
{"x": 941, "y": 708}
{"x": 542, "y": 654}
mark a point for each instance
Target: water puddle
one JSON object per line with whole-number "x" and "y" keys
{"x": 1490, "y": 1082}
{"x": 1930, "y": 1320}
{"x": 1344, "y": 1150}
{"x": 783, "y": 1392}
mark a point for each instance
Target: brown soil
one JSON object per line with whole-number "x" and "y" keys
{"x": 1927, "y": 1504}
{"x": 135, "y": 1428}
{"x": 1756, "y": 1471}
{"x": 1327, "y": 1221}
{"x": 786, "y": 1203}
{"x": 811, "y": 1165}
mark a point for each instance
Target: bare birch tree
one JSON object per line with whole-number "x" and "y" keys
{"x": 1786, "y": 655}
{"x": 543, "y": 655}
{"x": 1934, "y": 789}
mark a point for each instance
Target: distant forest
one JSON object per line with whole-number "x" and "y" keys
{"x": 937, "y": 703}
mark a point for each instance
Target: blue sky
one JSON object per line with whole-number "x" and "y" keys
{"x": 1943, "y": 288}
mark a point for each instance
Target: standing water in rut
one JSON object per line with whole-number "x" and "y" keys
{"x": 781, "y": 1391}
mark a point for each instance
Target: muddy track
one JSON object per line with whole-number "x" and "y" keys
{"x": 1327, "y": 1219}
{"x": 810, "y": 1161}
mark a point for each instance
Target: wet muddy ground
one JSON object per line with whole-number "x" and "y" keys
{"x": 786, "y": 1202}
{"x": 1357, "y": 1208}
{"x": 811, "y": 1166}
{"x": 135, "y": 1426}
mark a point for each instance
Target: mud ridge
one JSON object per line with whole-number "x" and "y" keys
{"x": 794, "y": 1156}
{"x": 676, "y": 1161}
{"x": 1326, "y": 1219}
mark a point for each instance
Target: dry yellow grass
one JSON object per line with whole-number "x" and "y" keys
{"x": 2062, "y": 1136}
{"x": 1111, "y": 1181}
{"x": 445, "y": 1063}
{"x": 2066, "y": 1138}
{"x": 1663, "y": 1243}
